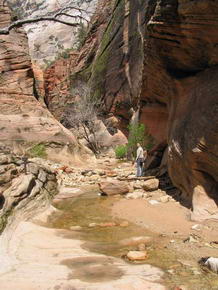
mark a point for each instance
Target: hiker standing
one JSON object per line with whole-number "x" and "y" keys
{"x": 139, "y": 160}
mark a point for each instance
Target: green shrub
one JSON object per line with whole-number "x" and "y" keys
{"x": 121, "y": 151}
{"x": 38, "y": 150}
{"x": 138, "y": 133}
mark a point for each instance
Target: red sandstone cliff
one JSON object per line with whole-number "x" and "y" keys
{"x": 181, "y": 74}
{"x": 23, "y": 120}
{"x": 161, "y": 57}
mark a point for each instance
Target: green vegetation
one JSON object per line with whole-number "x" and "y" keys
{"x": 38, "y": 150}
{"x": 81, "y": 35}
{"x": 138, "y": 133}
{"x": 121, "y": 151}
{"x": 99, "y": 68}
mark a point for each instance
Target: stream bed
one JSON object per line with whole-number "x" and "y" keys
{"x": 80, "y": 214}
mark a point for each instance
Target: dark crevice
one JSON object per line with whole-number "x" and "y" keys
{"x": 166, "y": 39}
{"x": 35, "y": 92}
{"x": 111, "y": 40}
{"x": 145, "y": 103}
{"x": 181, "y": 74}
{"x": 2, "y": 201}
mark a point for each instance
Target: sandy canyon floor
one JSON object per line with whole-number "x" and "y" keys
{"x": 65, "y": 248}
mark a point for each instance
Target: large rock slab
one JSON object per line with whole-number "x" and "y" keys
{"x": 114, "y": 187}
{"x": 57, "y": 262}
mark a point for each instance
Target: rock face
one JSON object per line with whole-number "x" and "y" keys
{"x": 21, "y": 191}
{"x": 66, "y": 79}
{"x": 161, "y": 56}
{"x": 24, "y": 121}
{"x": 181, "y": 50}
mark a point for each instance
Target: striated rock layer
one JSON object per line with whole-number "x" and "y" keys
{"x": 161, "y": 57}
{"x": 180, "y": 73}
{"x": 23, "y": 120}
{"x": 158, "y": 57}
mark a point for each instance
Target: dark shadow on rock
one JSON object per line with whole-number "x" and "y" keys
{"x": 2, "y": 201}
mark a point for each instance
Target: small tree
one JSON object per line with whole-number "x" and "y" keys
{"x": 138, "y": 133}
{"x": 82, "y": 116}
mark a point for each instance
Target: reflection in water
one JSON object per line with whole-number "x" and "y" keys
{"x": 93, "y": 269}
{"x": 90, "y": 208}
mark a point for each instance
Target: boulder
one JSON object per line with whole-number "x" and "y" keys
{"x": 137, "y": 255}
{"x": 107, "y": 224}
{"x": 164, "y": 198}
{"x": 151, "y": 185}
{"x": 114, "y": 187}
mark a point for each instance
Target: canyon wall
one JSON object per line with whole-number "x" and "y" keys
{"x": 24, "y": 121}
{"x": 160, "y": 57}
{"x": 180, "y": 77}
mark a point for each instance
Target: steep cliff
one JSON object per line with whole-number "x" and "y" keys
{"x": 180, "y": 76}
{"x": 24, "y": 122}
{"x": 67, "y": 77}
{"x": 161, "y": 57}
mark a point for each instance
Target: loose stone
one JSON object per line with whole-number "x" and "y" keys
{"x": 137, "y": 255}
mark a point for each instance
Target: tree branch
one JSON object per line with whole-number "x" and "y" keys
{"x": 59, "y": 13}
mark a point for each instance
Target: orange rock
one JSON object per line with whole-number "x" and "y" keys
{"x": 124, "y": 224}
{"x": 109, "y": 224}
{"x": 114, "y": 187}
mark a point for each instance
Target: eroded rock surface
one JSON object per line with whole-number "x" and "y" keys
{"x": 181, "y": 50}
{"x": 24, "y": 120}
{"x": 161, "y": 56}
{"x": 25, "y": 189}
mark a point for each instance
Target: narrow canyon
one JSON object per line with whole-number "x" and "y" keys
{"x": 82, "y": 83}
